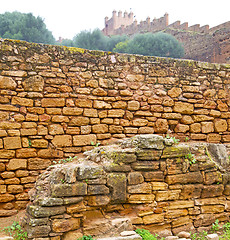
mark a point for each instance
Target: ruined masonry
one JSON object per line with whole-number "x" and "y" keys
{"x": 143, "y": 182}
{"x": 57, "y": 102}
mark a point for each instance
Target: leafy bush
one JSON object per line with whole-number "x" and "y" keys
{"x": 152, "y": 44}
{"x": 146, "y": 235}
{"x": 16, "y": 231}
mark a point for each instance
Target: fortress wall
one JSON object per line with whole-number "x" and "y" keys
{"x": 57, "y": 102}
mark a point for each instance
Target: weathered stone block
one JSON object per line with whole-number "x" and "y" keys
{"x": 140, "y": 188}
{"x": 175, "y": 151}
{"x": 33, "y": 84}
{"x": 145, "y": 166}
{"x": 7, "y": 153}
{"x": 14, "y": 189}
{"x": 6, "y": 198}
{"x": 212, "y": 209}
{"x": 117, "y": 182}
{"x": 39, "y": 231}
{"x": 141, "y": 198}
{"x": 90, "y": 172}
{"x": 65, "y": 225}
{"x": 149, "y": 154}
{"x": 22, "y": 101}
{"x": 83, "y": 140}
{"x": 72, "y": 111}
{"x": 180, "y": 204}
{"x": 190, "y": 177}
{"x": 66, "y": 190}
{"x": 135, "y": 178}
{"x": 26, "y": 153}
{"x": 12, "y": 142}
{"x": 156, "y": 176}
{"x": 161, "y": 126}
{"x": 53, "y": 102}
{"x": 97, "y": 190}
{"x": 41, "y": 212}
{"x": 50, "y": 202}
{"x": 62, "y": 141}
{"x": 191, "y": 191}
{"x": 212, "y": 191}
{"x": 167, "y": 195}
{"x": 184, "y": 108}
{"x": 154, "y": 218}
{"x": 15, "y": 164}
{"x": 98, "y": 200}
{"x": 156, "y": 186}
{"x": 7, "y": 83}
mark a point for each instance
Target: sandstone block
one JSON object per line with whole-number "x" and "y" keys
{"x": 212, "y": 209}
{"x": 39, "y": 143}
{"x": 154, "y": 218}
{"x": 181, "y": 128}
{"x": 135, "y": 178}
{"x": 148, "y": 154}
{"x": 6, "y": 197}
{"x": 116, "y": 113}
{"x": 12, "y": 142}
{"x": 22, "y": 101}
{"x": 84, "y": 103}
{"x": 167, "y": 195}
{"x": 90, "y": 112}
{"x": 220, "y": 125}
{"x": 172, "y": 214}
{"x": 29, "y": 179}
{"x": 191, "y": 177}
{"x": 7, "y": 153}
{"x": 55, "y": 129}
{"x": 99, "y": 92}
{"x": 26, "y": 153}
{"x": 161, "y": 126}
{"x": 117, "y": 181}
{"x": 90, "y": 172}
{"x": 4, "y": 116}
{"x": 156, "y": 186}
{"x": 41, "y": 212}
{"x": 33, "y": 84}
{"x": 38, "y": 163}
{"x": 174, "y": 92}
{"x": 7, "y": 213}
{"x": 212, "y": 191}
{"x": 98, "y": 200}
{"x": 141, "y": 198}
{"x": 184, "y": 108}
{"x": 84, "y": 140}
{"x": 79, "y": 121}
{"x": 2, "y": 189}
{"x": 7, "y": 83}
{"x": 14, "y": 189}
{"x": 139, "y": 122}
{"x": 191, "y": 191}
{"x": 181, "y": 204}
{"x": 15, "y": 164}
{"x": 39, "y": 232}
{"x": 65, "y": 225}
{"x": 100, "y": 128}
{"x": 53, "y": 102}
{"x": 145, "y": 165}
{"x": 18, "y": 73}
{"x": 101, "y": 105}
{"x": 140, "y": 188}
{"x": 175, "y": 151}
{"x": 97, "y": 190}
{"x": 72, "y": 111}
{"x": 57, "y": 119}
{"x": 62, "y": 141}
{"x": 207, "y": 127}
{"x": 66, "y": 190}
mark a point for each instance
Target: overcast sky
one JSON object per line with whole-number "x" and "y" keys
{"x": 66, "y": 18}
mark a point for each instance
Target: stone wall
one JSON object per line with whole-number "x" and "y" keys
{"x": 143, "y": 182}
{"x": 57, "y": 102}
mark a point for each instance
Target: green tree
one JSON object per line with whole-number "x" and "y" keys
{"x": 24, "y": 26}
{"x": 152, "y": 44}
{"x": 112, "y": 41}
{"x": 93, "y": 40}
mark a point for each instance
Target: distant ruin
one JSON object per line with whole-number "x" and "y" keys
{"x": 200, "y": 42}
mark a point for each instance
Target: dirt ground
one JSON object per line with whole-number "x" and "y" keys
{"x": 7, "y": 221}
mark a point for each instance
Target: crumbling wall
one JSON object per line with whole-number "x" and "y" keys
{"x": 151, "y": 181}
{"x": 57, "y": 102}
